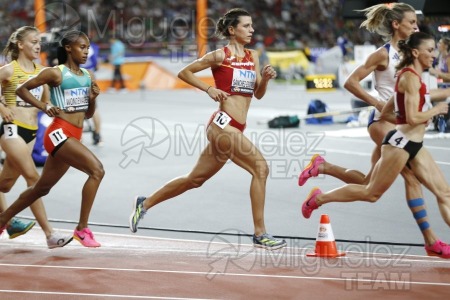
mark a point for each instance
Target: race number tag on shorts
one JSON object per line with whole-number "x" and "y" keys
{"x": 57, "y": 137}
{"x": 10, "y": 131}
{"x": 221, "y": 119}
{"x": 398, "y": 139}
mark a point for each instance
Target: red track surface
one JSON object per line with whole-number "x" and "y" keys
{"x": 134, "y": 267}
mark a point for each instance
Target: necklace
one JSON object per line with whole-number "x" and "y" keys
{"x": 77, "y": 72}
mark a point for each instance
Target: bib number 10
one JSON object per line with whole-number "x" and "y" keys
{"x": 222, "y": 119}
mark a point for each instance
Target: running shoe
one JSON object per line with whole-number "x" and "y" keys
{"x": 310, "y": 203}
{"x": 266, "y": 241}
{"x": 439, "y": 249}
{"x": 85, "y": 237}
{"x": 311, "y": 170}
{"x": 57, "y": 239}
{"x": 16, "y": 227}
{"x": 138, "y": 213}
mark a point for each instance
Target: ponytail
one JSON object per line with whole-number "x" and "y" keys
{"x": 231, "y": 18}
{"x": 379, "y": 17}
{"x": 61, "y": 54}
{"x": 406, "y": 48}
{"x": 12, "y": 49}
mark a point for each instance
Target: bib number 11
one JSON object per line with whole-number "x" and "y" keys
{"x": 57, "y": 137}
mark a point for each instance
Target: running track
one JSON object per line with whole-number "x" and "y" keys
{"x": 137, "y": 267}
{"x": 147, "y": 267}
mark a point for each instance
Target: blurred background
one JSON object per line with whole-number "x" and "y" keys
{"x": 161, "y": 35}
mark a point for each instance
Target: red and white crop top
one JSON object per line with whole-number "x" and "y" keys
{"x": 424, "y": 102}
{"x": 236, "y": 75}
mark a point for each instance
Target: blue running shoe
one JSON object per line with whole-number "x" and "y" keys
{"x": 17, "y": 228}
{"x": 138, "y": 213}
{"x": 268, "y": 242}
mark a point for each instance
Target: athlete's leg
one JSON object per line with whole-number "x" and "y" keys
{"x": 413, "y": 188}
{"x": 431, "y": 176}
{"x": 73, "y": 153}
{"x": 18, "y": 162}
{"x": 377, "y": 131}
{"x": 208, "y": 164}
{"x": 97, "y": 127}
{"x": 52, "y": 172}
{"x": 243, "y": 153}
{"x": 384, "y": 174}
{"x": 341, "y": 173}
{"x": 416, "y": 204}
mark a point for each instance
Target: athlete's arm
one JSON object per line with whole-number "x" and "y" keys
{"x": 50, "y": 76}
{"x": 376, "y": 60}
{"x": 439, "y": 94}
{"x": 46, "y": 95}
{"x": 6, "y": 73}
{"x": 410, "y": 85}
{"x": 388, "y": 113}
{"x": 210, "y": 60}
{"x": 262, "y": 77}
{"x": 94, "y": 92}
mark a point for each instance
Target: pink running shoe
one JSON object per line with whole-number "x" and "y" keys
{"x": 310, "y": 203}
{"x": 311, "y": 170}
{"x": 439, "y": 249}
{"x": 85, "y": 237}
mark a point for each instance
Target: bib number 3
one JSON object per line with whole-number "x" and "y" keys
{"x": 57, "y": 137}
{"x": 10, "y": 131}
{"x": 222, "y": 119}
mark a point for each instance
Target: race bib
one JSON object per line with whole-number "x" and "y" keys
{"x": 221, "y": 119}
{"x": 36, "y": 92}
{"x": 76, "y": 99}
{"x": 57, "y": 137}
{"x": 243, "y": 81}
{"x": 10, "y": 131}
{"x": 398, "y": 139}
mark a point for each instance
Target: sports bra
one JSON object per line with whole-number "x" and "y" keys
{"x": 399, "y": 100}
{"x": 20, "y": 76}
{"x": 72, "y": 95}
{"x": 236, "y": 75}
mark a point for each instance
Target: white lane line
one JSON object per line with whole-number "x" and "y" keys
{"x": 209, "y": 274}
{"x": 93, "y": 295}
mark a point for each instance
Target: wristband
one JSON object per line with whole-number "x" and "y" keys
{"x": 207, "y": 89}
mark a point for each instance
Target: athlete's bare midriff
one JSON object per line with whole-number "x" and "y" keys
{"x": 236, "y": 106}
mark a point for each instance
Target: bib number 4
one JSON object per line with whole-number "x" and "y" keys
{"x": 398, "y": 139}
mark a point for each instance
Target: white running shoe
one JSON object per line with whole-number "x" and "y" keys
{"x": 58, "y": 239}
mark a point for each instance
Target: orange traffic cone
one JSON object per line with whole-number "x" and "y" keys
{"x": 325, "y": 243}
